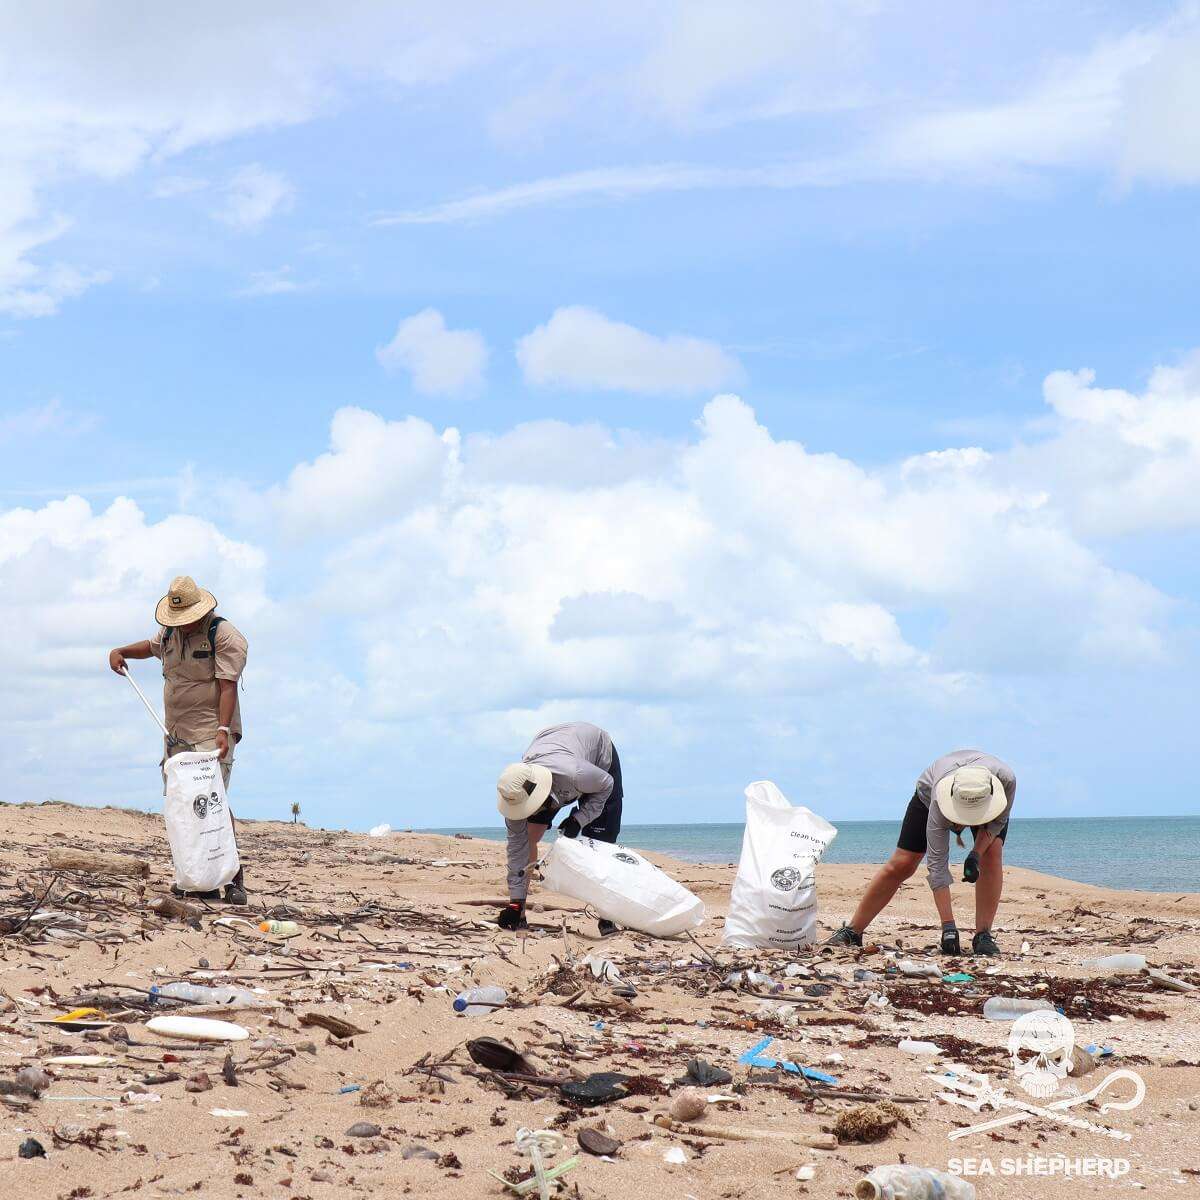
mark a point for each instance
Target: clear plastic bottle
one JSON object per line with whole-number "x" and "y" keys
{"x": 1009, "y": 1008}
{"x": 911, "y": 1047}
{"x": 919, "y": 970}
{"x": 1117, "y": 964}
{"x": 199, "y": 994}
{"x": 913, "y": 1183}
{"x": 477, "y": 1001}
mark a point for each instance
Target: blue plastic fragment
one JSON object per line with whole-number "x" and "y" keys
{"x": 754, "y": 1057}
{"x": 350, "y": 1087}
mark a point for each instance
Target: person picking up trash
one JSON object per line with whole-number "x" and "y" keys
{"x": 575, "y": 763}
{"x": 203, "y": 657}
{"x": 966, "y": 789}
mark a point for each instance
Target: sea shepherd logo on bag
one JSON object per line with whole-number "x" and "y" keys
{"x": 787, "y": 878}
{"x": 1040, "y": 1047}
{"x": 203, "y": 805}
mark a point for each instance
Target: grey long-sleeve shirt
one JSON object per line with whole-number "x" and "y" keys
{"x": 938, "y": 828}
{"x": 579, "y": 756}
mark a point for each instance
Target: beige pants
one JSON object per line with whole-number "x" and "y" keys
{"x": 226, "y": 763}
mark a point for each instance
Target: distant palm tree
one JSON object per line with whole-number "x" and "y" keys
{"x": 295, "y": 811}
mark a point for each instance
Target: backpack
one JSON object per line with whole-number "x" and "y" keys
{"x": 212, "y": 634}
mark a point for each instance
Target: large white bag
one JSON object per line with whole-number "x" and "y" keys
{"x": 774, "y": 898}
{"x": 621, "y": 886}
{"x": 199, "y": 827}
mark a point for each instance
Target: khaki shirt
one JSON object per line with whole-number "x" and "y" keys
{"x": 191, "y": 669}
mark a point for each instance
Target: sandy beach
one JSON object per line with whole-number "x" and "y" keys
{"x": 389, "y": 936}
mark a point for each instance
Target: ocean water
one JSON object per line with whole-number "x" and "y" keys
{"x": 1152, "y": 854}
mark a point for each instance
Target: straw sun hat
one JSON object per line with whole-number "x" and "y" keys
{"x": 970, "y": 796}
{"x": 522, "y": 789}
{"x": 184, "y": 603}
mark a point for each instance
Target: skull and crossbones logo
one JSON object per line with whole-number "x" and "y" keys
{"x": 1040, "y": 1045}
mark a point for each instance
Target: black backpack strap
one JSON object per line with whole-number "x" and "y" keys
{"x": 212, "y": 633}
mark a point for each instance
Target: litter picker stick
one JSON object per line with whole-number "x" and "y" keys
{"x": 149, "y": 708}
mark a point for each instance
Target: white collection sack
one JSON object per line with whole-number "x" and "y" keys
{"x": 774, "y": 898}
{"x": 199, "y": 827}
{"x": 621, "y": 886}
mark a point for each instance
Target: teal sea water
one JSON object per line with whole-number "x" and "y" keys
{"x": 1153, "y": 854}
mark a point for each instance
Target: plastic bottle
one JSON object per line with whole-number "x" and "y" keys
{"x": 911, "y": 1047}
{"x": 918, "y": 970}
{"x": 1117, "y": 964}
{"x": 283, "y": 929}
{"x": 1009, "y": 1008}
{"x": 912, "y": 1183}
{"x": 199, "y": 994}
{"x": 480, "y": 1000}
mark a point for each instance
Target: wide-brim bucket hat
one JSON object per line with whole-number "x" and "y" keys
{"x": 184, "y": 603}
{"x": 522, "y": 789}
{"x": 970, "y": 796}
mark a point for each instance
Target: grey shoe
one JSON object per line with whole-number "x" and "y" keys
{"x": 845, "y": 937}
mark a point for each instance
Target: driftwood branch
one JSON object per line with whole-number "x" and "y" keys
{"x": 98, "y": 864}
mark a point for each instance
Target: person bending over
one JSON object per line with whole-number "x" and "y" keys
{"x": 966, "y": 789}
{"x": 575, "y": 763}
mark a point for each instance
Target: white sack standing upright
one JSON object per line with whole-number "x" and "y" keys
{"x": 199, "y": 828}
{"x": 774, "y": 897}
{"x": 621, "y": 886}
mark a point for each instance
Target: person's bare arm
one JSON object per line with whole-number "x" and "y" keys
{"x": 225, "y": 706}
{"x": 116, "y": 658}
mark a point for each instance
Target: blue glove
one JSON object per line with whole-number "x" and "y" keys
{"x": 570, "y": 827}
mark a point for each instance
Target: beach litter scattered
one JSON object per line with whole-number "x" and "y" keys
{"x": 603, "y": 1075}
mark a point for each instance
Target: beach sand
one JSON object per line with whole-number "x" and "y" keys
{"x": 402, "y": 900}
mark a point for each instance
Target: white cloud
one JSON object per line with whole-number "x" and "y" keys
{"x": 171, "y": 186}
{"x": 252, "y": 196}
{"x": 279, "y": 282}
{"x": 402, "y": 590}
{"x": 441, "y": 361}
{"x": 619, "y": 183}
{"x": 374, "y": 471}
{"x": 1129, "y": 461}
{"x": 42, "y": 419}
{"x": 583, "y": 349}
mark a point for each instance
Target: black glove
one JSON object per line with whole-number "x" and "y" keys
{"x": 512, "y": 916}
{"x": 971, "y": 868}
{"x": 570, "y": 827}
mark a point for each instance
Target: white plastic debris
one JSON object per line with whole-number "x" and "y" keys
{"x": 379, "y": 831}
{"x": 675, "y": 1155}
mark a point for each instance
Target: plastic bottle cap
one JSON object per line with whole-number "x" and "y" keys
{"x": 460, "y": 1005}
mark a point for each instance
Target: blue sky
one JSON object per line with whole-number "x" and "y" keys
{"x": 797, "y": 390}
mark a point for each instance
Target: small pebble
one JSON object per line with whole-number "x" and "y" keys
{"x": 416, "y": 1150}
{"x": 688, "y": 1105}
{"x": 32, "y": 1148}
{"x": 363, "y": 1129}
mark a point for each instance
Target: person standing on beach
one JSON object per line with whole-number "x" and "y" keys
{"x": 965, "y": 789}
{"x": 203, "y": 657}
{"x": 575, "y": 763}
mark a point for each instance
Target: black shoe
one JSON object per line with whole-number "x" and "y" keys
{"x": 950, "y": 942}
{"x": 845, "y": 937}
{"x": 178, "y": 891}
{"x": 983, "y": 943}
{"x": 607, "y": 928}
{"x": 235, "y": 889}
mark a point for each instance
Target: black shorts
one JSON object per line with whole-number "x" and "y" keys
{"x": 916, "y": 818}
